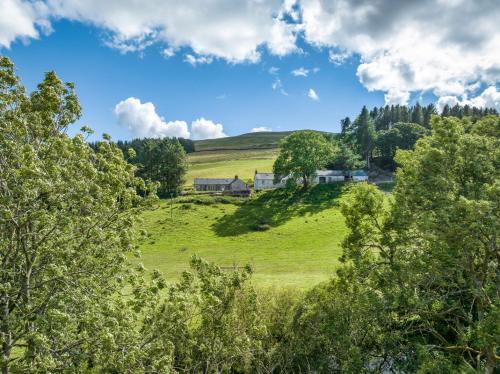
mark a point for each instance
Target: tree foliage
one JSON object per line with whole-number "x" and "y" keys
{"x": 301, "y": 154}
{"x": 419, "y": 288}
{"x": 66, "y": 224}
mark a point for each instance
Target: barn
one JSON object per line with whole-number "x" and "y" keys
{"x": 220, "y": 184}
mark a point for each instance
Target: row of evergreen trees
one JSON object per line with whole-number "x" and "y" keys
{"x": 376, "y": 134}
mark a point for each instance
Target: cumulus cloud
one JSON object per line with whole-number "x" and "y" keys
{"x": 312, "y": 94}
{"x": 427, "y": 45}
{"x": 21, "y": 20}
{"x": 142, "y": 120}
{"x": 234, "y": 31}
{"x": 489, "y": 98}
{"x": 439, "y": 46}
{"x": 205, "y": 129}
{"x": 300, "y": 72}
{"x": 262, "y": 129}
{"x": 396, "y": 97}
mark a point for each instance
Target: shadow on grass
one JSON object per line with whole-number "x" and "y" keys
{"x": 274, "y": 208}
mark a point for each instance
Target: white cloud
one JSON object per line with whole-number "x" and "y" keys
{"x": 262, "y": 129}
{"x": 300, "y": 72}
{"x": 21, "y": 20}
{"x": 396, "y": 97}
{"x": 439, "y": 46}
{"x": 193, "y": 60}
{"x": 234, "y": 31}
{"x": 273, "y": 70}
{"x": 278, "y": 86}
{"x": 489, "y": 98}
{"x": 446, "y": 100}
{"x": 312, "y": 94}
{"x": 338, "y": 58}
{"x": 142, "y": 120}
{"x": 168, "y": 52}
{"x": 406, "y": 46}
{"x": 205, "y": 129}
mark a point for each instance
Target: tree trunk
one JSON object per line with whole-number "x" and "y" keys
{"x": 6, "y": 336}
{"x": 304, "y": 181}
{"x": 491, "y": 361}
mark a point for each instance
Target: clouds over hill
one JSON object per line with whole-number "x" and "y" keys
{"x": 142, "y": 121}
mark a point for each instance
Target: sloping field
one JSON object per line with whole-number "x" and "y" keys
{"x": 228, "y": 163}
{"x": 290, "y": 238}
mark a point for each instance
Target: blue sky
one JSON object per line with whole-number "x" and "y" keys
{"x": 242, "y": 59}
{"x": 239, "y": 96}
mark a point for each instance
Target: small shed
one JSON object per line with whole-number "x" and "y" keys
{"x": 220, "y": 184}
{"x": 359, "y": 175}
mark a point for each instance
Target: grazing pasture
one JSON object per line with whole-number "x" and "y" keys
{"x": 291, "y": 238}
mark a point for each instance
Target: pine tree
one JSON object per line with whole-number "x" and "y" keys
{"x": 417, "y": 115}
{"x": 365, "y": 134}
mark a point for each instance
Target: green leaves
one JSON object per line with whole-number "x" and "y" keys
{"x": 301, "y": 154}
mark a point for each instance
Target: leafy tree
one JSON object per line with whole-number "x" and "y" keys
{"x": 400, "y": 136}
{"x": 433, "y": 256}
{"x": 66, "y": 224}
{"x": 345, "y": 158}
{"x": 301, "y": 154}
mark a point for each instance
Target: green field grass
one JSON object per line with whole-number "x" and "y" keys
{"x": 228, "y": 163}
{"x": 290, "y": 238}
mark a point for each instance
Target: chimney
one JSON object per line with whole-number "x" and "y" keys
{"x": 235, "y": 177}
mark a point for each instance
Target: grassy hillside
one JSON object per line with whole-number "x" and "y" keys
{"x": 290, "y": 238}
{"x": 228, "y": 163}
{"x": 256, "y": 140}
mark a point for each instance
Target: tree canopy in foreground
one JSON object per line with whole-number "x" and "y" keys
{"x": 417, "y": 291}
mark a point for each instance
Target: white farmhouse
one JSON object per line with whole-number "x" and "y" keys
{"x": 265, "y": 181}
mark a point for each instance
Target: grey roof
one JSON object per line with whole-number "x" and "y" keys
{"x": 359, "y": 173}
{"x": 264, "y": 176}
{"x": 213, "y": 180}
{"x": 329, "y": 173}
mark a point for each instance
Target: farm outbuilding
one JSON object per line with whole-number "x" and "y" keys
{"x": 328, "y": 176}
{"x": 220, "y": 184}
{"x": 358, "y": 175}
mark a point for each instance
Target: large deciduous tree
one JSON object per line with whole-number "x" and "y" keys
{"x": 301, "y": 154}
{"x": 419, "y": 287}
{"x": 66, "y": 224}
{"x": 434, "y": 255}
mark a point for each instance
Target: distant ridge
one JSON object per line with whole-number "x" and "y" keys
{"x": 253, "y": 140}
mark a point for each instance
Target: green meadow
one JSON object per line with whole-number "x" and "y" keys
{"x": 290, "y": 238}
